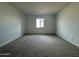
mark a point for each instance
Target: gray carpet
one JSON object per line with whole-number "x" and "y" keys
{"x": 39, "y": 46}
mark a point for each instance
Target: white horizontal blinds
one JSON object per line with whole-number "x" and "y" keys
{"x": 39, "y": 23}
{"x": 42, "y": 22}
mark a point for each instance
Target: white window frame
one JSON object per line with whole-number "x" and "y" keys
{"x": 39, "y": 22}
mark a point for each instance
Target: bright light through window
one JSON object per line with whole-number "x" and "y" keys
{"x": 39, "y": 22}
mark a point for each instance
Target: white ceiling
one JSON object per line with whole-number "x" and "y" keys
{"x": 40, "y": 8}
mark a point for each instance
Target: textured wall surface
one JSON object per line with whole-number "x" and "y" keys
{"x": 49, "y": 25}
{"x": 10, "y": 23}
{"x": 68, "y": 23}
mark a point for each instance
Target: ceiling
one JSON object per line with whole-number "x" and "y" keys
{"x": 40, "y": 8}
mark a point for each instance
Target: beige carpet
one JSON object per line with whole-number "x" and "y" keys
{"x": 39, "y": 46}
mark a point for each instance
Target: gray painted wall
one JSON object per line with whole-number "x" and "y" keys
{"x": 11, "y": 23}
{"x": 49, "y": 25}
{"x": 68, "y": 23}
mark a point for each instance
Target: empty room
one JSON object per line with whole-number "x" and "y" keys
{"x": 39, "y": 29}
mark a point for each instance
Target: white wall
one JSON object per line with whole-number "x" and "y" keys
{"x": 68, "y": 23}
{"x": 49, "y": 25}
{"x": 10, "y": 23}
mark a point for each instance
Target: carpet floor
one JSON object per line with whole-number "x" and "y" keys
{"x": 39, "y": 46}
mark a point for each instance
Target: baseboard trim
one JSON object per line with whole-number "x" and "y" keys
{"x": 11, "y": 41}
{"x": 38, "y": 34}
{"x": 67, "y": 41}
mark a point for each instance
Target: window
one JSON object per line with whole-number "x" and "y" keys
{"x": 39, "y": 22}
